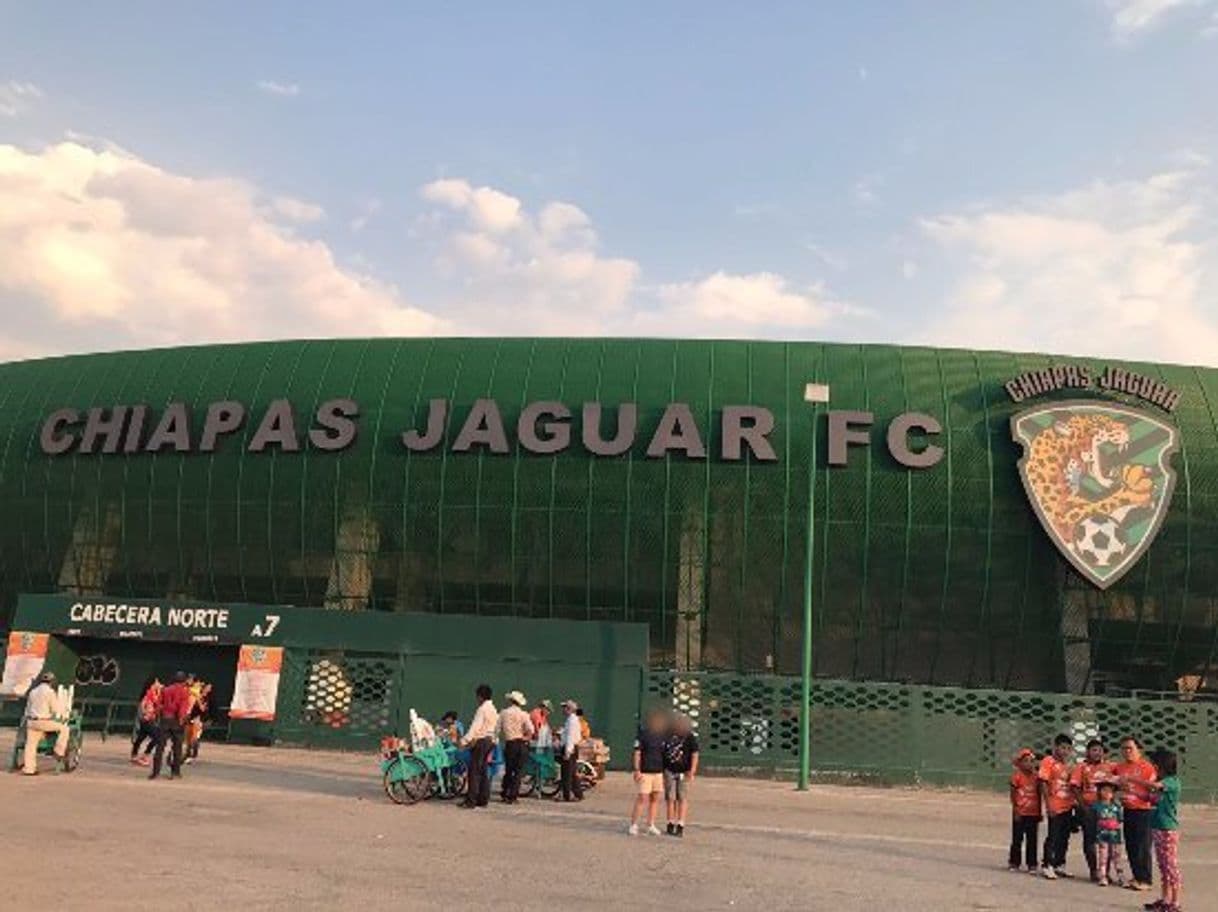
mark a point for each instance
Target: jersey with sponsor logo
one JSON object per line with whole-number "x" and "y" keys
{"x": 1025, "y": 794}
{"x": 1056, "y": 775}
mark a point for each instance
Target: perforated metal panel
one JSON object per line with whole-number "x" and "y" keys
{"x": 341, "y": 698}
{"x": 927, "y": 734}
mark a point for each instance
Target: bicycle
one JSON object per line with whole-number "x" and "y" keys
{"x": 542, "y": 774}
{"x": 437, "y": 771}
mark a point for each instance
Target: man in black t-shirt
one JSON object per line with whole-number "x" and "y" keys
{"x": 648, "y": 762}
{"x": 680, "y": 768}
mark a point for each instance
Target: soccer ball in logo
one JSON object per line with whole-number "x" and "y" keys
{"x": 1099, "y": 540}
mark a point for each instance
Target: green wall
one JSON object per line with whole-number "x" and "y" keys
{"x": 350, "y": 678}
{"x": 937, "y": 576}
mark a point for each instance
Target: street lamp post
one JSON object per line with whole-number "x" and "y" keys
{"x": 814, "y": 394}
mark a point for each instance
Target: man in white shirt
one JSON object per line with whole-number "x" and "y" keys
{"x": 480, "y": 739}
{"x": 572, "y": 788}
{"x": 41, "y": 710}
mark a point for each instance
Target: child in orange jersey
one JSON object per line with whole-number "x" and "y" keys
{"x": 1088, "y": 776}
{"x": 1025, "y": 810}
{"x": 1058, "y": 797}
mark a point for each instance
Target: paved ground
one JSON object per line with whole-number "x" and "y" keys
{"x": 291, "y": 829}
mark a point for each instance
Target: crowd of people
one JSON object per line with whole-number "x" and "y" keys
{"x": 1125, "y": 809}
{"x": 504, "y": 739}
{"x": 664, "y": 759}
{"x": 172, "y": 715}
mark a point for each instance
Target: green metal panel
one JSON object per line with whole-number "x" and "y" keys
{"x": 919, "y": 734}
{"x": 341, "y": 698}
{"x": 940, "y": 576}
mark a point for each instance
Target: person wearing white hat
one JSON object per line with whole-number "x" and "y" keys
{"x": 516, "y": 730}
{"x": 41, "y": 712}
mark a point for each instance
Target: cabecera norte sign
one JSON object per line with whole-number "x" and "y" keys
{"x": 544, "y": 427}
{"x": 148, "y": 619}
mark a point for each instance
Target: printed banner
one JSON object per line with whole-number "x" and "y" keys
{"x": 257, "y": 687}
{"x": 26, "y": 654}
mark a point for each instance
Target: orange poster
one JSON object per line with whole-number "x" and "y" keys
{"x": 257, "y": 689}
{"x": 26, "y": 654}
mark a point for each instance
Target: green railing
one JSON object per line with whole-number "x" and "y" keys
{"x": 894, "y": 733}
{"x": 103, "y": 716}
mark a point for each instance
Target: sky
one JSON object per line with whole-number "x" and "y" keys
{"x": 1033, "y": 176}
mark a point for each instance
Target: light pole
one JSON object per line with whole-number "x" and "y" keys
{"x": 814, "y": 394}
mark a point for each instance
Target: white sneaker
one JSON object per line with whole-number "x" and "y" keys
{"x": 652, "y": 831}
{"x": 1048, "y": 874}
{"x": 634, "y": 829}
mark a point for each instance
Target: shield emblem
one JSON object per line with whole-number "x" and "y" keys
{"x": 1099, "y": 477}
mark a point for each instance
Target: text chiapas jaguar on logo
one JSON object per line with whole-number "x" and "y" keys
{"x": 1099, "y": 477}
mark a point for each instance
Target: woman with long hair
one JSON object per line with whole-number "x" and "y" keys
{"x": 148, "y": 716}
{"x": 200, "y": 715}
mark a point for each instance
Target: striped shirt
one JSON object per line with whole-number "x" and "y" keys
{"x": 515, "y": 725}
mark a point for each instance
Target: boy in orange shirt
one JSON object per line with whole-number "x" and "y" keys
{"x": 1059, "y": 802}
{"x": 1086, "y": 780}
{"x": 1025, "y": 810}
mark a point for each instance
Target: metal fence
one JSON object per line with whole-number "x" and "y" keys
{"x": 917, "y": 734}
{"x": 884, "y": 733}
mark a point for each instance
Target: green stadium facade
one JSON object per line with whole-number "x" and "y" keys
{"x": 280, "y": 476}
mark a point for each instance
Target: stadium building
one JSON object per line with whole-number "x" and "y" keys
{"x": 980, "y": 519}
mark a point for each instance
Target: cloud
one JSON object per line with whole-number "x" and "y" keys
{"x": 866, "y": 190}
{"x": 296, "y": 210}
{"x": 1110, "y": 269}
{"x": 367, "y": 210}
{"x": 519, "y": 271}
{"x": 516, "y": 271}
{"x": 102, "y": 249}
{"x": 726, "y": 304}
{"x": 99, "y": 248}
{"x": 831, "y": 258}
{"x": 756, "y": 210}
{"x": 1133, "y": 17}
{"x": 490, "y": 209}
{"x": 282, "y": 89}
{"x": 16, "y": 98}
